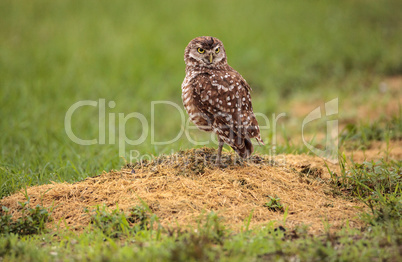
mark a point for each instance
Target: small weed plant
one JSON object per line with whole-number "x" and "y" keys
{"x": 115, "y": 223}
{"x": 32, "y": 220}
{"x": 274, "y": 204}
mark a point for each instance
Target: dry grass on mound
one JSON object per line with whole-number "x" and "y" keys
{"x": 178, "y": 188}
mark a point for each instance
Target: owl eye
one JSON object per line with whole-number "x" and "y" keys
{"x": 200, "y": 50}
{"x": 217, "y": 50}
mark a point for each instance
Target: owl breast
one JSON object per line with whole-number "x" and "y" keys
{"x": 190, "y": 101}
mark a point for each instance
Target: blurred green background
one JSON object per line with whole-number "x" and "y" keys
{"x": 55, "y": 53}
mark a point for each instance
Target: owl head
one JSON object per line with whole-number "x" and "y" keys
{"x": 205, "y": 51}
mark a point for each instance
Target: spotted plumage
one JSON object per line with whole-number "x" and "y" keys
{"x": 217, "y": 98}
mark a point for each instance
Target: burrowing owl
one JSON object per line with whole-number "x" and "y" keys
{"x": 217, "y": 98}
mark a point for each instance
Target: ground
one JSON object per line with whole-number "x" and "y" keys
{"x": 179, "y": 188}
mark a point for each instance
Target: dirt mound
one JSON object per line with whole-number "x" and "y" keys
{"x": 179, "y": 187}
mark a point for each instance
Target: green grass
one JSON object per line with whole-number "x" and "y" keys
{"x": 56, "y": 53}
{"x": 360, "y": 135}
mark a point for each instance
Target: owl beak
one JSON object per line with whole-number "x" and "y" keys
{"x": 211, "y": 58}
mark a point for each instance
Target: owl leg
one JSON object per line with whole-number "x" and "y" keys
{"x": 218, "y": 158}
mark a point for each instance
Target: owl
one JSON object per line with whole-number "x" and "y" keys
{"x": 217, "y": 98}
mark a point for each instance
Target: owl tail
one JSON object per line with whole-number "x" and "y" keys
{"x": 234, "y": 138}
{"x": 243, "y": 146}
{"x": 245, "y": 150}
{"x": 259, "y": 140}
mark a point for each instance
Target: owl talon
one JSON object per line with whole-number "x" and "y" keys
{"x": 219, "y": 164}
{"x": 218, "y": 161}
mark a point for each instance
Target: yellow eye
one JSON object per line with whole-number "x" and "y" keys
{"x": 200, "y": 50}
{"x": 217, "y": 50}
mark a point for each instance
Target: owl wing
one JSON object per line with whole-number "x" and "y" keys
{"x": 224, "y": 96}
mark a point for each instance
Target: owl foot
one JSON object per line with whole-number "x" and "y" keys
{"x": 218, "y": 157}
